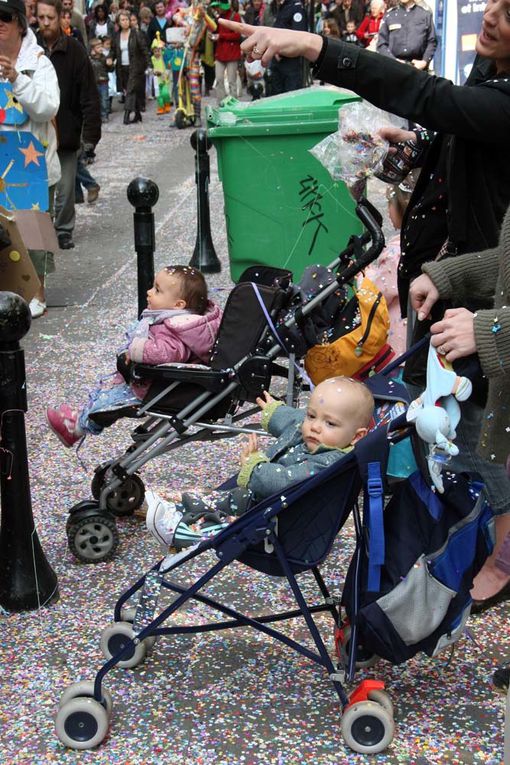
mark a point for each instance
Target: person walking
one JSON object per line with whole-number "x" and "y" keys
{"x": 133, "y": 58}
{"x": 78, "y": 115}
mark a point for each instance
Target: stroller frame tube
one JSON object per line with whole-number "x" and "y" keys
{"x": 238, "y": 619}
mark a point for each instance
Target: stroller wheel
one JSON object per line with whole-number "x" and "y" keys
{"x": 85, "y": 689}
{"x": 383, "y": 699}
{"x": 124, "y": 500}
{"x": 180, "y": 119}
{"x": 364, "y": 658}
{"x": 115, "y": 637}
{"x": 92, "y": 539}
{"x": 82, "y": 723}
{"x": 367, "y": 727}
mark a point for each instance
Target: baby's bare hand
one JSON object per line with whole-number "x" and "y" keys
{"x": 263, "y": 402}
{"x": 250, "y": 446}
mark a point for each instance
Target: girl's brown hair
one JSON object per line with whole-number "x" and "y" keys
{"x": 193, "y": 287}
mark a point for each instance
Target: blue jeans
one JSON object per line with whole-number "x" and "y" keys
{"x": 106, "y": 400}
{"x": 104, "y": 99}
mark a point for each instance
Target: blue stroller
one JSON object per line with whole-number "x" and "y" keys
{"x": 282, "y": 536}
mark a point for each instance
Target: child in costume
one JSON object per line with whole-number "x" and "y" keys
{"x": 160, "y": 64}
{"x": 179, "y": 325}
{"x": 196, "y": 21}
{"x": 338, "y": 414}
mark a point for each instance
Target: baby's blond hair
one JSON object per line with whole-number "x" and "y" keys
{"x": 365, "y": 409}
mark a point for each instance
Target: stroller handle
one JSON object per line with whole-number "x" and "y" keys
{"x": 372, "y": 220}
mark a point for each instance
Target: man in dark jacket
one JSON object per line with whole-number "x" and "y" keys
{"x": 78, "y": 117}
{"x": 159, "y": 23}
{"x": 407, "y": 33}
{"x": 287, "y": 73}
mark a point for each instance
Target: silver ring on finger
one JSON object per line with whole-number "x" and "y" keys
{"x": 256, "y": 51}
{"x": 442, "y": 350}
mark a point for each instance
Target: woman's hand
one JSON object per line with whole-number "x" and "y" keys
{"x": 263, "y": 402}
{"x": 250, "y": 446}
{"x": 265, "y": 43}
{"x": 454, "y": 335}
{"x": 423, "y": 294}
{"x": 396, "y": 135}
{"x": 7, "y": 70}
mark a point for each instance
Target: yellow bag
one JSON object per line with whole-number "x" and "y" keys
{"x": 354, "y": 351}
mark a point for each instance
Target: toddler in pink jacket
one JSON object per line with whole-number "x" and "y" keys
{"x": 180, "y": 324}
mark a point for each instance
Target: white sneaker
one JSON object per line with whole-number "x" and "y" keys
{"x": 162, "y": 519}
{"x": 37, "y": 307}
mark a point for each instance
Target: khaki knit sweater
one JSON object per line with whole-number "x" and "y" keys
{"x": 486, "y": 275}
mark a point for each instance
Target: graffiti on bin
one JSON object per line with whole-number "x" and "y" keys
{"x": 311, "y": 204}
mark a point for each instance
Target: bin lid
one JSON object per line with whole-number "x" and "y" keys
{"x": 308, "y": 110}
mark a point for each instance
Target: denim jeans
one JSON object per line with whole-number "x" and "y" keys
{"x": 106, "y": 400}
{"x": 104, "y": 99}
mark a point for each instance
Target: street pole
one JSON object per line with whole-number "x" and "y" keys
{"x": 27, "y": 580}
{"x": 204, "y": 255}
{"x": 143, "y": 194}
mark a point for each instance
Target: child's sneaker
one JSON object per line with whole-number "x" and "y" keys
{"x": 64, "y": 423}
{"x": 162, "y": 519}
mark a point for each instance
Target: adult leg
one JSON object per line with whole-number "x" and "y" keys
{"x": 220, "y": 80}
{"x": 64, "y": 198}
{"x": 232, "y": 78}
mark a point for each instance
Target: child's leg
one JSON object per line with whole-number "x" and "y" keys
{"x": 165, "y": 522}
{"x": 101, "y": 400}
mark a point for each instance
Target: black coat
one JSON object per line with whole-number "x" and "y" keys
{"x": 474, "y": 118}
{"x": 79, "y": 114}
{"x": 139, "y": 59}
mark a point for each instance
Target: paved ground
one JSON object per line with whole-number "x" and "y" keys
{"x": 223, "y": 698}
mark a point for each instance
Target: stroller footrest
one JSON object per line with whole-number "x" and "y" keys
{"x": 209, "y": 379}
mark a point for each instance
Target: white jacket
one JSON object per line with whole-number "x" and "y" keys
{"x": 36, "y": 88}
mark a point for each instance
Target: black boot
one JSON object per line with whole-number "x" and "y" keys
{"x": 137, "y": 117}
{"x": 127, "y": 121}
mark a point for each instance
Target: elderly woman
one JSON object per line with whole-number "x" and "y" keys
{"x": 132, "y": 57}
{"x": 368, "y": 29}
{"x": 464, "y": 187}
{"x": 35, "y": 86}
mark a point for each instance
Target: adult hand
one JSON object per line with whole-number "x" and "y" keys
{"x": 250, "y": 447}
{"x": 396, "y": 134}
{"x": 454, "y": 335}
{"x": 419, "y": 63}
{"x": 266, "y": 43}
{"x": 7, "y": 70}
{"x": 263, "y": 402}
{"x": 423, "y": 294}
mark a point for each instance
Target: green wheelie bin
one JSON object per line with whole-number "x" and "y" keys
{"x": 282, "y": 207}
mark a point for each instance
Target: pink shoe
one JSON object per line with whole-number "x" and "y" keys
{"x": 63, "y": 422}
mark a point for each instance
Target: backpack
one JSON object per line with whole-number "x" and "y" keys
{"x": 408, "y": 586}
{"x": 357, "y": 342}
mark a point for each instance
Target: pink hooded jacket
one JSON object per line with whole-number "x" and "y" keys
{"x": 185, "y": 338}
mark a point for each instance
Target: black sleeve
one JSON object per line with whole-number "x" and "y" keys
{"x": 478, "y": 112}
{"x": 89, "y": 101}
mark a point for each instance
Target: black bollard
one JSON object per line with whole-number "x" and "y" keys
{"x": 143, "y": 195}
{"x": 204, "y": 255}
{"x": 27, "y": 580}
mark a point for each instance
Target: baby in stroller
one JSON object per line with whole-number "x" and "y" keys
{"x": 179, "y": 325}
{"x": 338, "y": 414}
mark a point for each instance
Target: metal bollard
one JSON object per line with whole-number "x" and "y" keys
{"x": 204, "y": 255}
{"x": 27, "y": 580}
{"x": 143, "y": 194}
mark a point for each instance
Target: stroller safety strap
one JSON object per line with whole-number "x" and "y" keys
{"x": 301, "y": 372}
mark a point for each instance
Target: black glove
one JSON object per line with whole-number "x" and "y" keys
{"x": 89, "y": 155}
